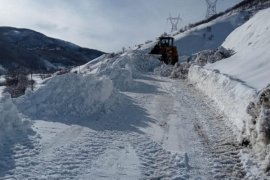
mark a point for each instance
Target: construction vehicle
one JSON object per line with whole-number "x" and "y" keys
{"x": 166, "y": 49}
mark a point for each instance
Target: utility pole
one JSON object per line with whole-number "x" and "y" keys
{"x": 174, "y": 22}
{"x": 211, "y": 8}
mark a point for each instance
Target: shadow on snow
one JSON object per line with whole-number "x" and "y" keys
{"x": 126, "y": 115}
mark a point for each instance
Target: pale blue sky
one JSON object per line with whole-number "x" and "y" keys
{"x": 106, "y": 25}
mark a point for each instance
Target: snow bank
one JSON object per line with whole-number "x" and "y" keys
{"x": 231, "y": 96}
{"x": 11, "y": 125}
{"x": 164, "y": 70}
{"x": 259, "y": 110}
{"x": 69, "y": 96}
{"x": 91, "y": 89}
{"x": 122, "y": 68}
{"x": 251, "y": 42}
{"x": 212, "y": 56}
{"x": 247, "y": 110}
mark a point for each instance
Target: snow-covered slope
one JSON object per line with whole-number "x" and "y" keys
{"x": 210, "y": 35}
{"x": 65, "y": 101}
{"x": 251, "y": 42}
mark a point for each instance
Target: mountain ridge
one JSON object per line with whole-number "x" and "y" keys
{"x": 32, "y": 50}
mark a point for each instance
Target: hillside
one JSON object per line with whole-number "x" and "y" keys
{"x": 32, "y": 50}
{"x": 211, "y": 33}
{"x": 251, "y": 43}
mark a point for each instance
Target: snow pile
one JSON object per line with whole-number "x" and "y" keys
{"x": 260, "y": 127}
{"x": 180, "y": 70}
{"x": 164, "y": 70}
{"x": 70, "y": 96}
{"x": 122, "y": 68}
{"x": 231, "y": 96}
{"x": 212, "y": 56}
{"x": 260, "y": 113}
{"x": 11, "y": 125}
{"x": 251, "y": 42}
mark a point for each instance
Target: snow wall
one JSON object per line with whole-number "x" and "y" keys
{"x": 11, "y": 125}
{"x": 93, "y": 90}
{"x": 122, "y": 68}
{"x": 69, "y": 96}
{"x": 232, "y": 96}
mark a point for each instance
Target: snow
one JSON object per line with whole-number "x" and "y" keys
{"x": 251, "y": 43}
{"x": 118, "y": 118}
{"x": 210, "y": 35}
{"x": 1, "y": 90}
{"x": 239, "y": 85}
{"x": 2, "y": 80}
{"x": 202, "y": 37}
{"x": 120, "y": 162}
{"x": 121, "y": 69}
{"x": 128, "y": 116}
{"x": 234, "y": 82}
{"x": 69, "y": 96}
{"x": 231, "y": 96}
{"x": 12, "y": 125}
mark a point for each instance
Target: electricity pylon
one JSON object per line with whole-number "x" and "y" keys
{"x": 211, "y": 8}
{"x": 174, "y": 22}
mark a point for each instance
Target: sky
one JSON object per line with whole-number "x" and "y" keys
{"x": 106, "y": 25}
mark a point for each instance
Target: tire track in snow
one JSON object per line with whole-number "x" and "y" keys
{"x": 156, "y": 162}
{"x": 217, "y": 137}
{"x": 65, "y": 161}
{"x": 84, "y": 153}
{"x": 213, "y": 148}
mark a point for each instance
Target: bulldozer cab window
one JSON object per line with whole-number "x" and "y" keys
{"x": 166, "y": 42}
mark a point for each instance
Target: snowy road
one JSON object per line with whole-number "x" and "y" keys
{"x": 166, "y": 130}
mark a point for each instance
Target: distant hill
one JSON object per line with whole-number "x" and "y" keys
{"x": 31, "y": 50}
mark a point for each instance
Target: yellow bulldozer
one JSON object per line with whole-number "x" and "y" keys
{"x": 165, "y": 47}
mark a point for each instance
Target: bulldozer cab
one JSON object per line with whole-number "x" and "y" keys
{"x": 166, "y": 41}
{"x": 165, "y": 47}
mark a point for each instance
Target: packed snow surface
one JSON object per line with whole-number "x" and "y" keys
{"x": 121, "y": 68}
{"x": 12, "y": 128}
{"x": 251, "y": 43}
{"x": 91, "y": 126}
